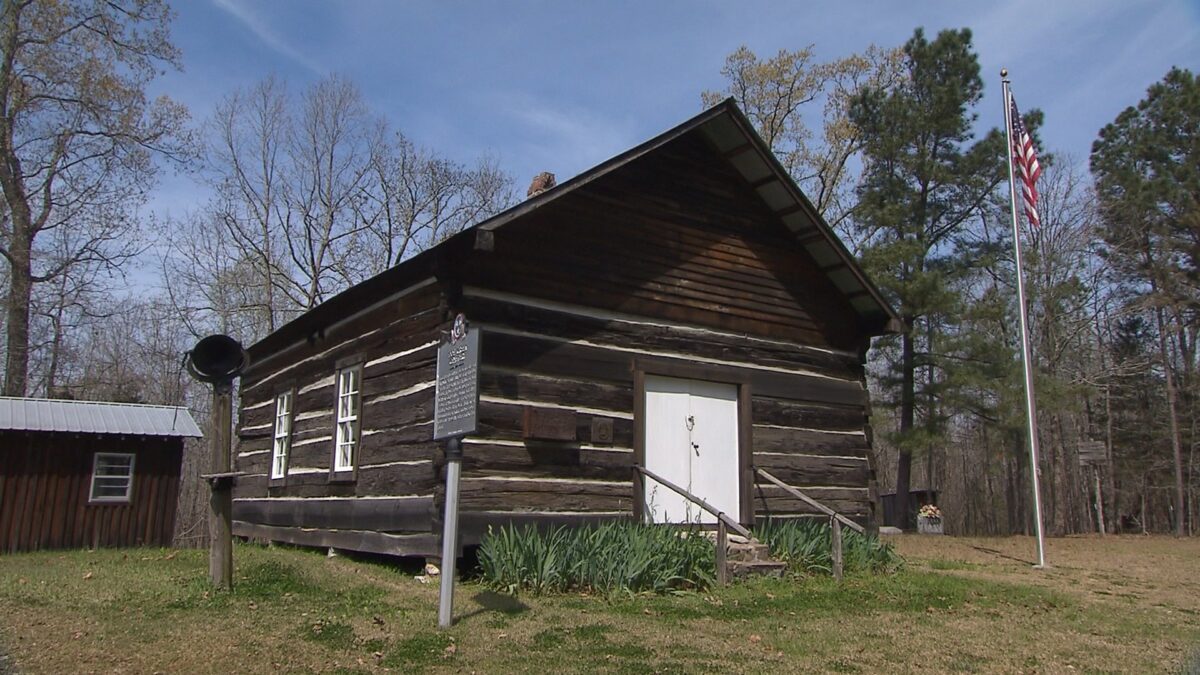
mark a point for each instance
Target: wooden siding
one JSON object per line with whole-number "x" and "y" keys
{"x": 808, "y": 407}
{"x": 678, "y": 235}
{"x": 670, "y": 263}
{"x": 45, "y": 482}
{"x": 395, "y": 460}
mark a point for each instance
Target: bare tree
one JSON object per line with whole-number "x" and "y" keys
{"x": 247, "y": 153}
{"x": 77, "y": 139}
{"x": 419, "y": 199}
{"x": 312, "y": 194}
{"x": 776, "y": 92}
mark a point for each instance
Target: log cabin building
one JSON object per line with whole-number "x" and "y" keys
{"x": 86, "y": 474}
{"x": 680, "y": 307}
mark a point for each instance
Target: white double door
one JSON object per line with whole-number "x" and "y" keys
{"x": 691, "y": 439}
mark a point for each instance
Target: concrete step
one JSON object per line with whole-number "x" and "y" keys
{"x": 748, "y": 552}
{"x": 739, "y": 569}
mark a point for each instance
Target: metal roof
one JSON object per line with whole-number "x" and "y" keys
{"x": 95, "y": 417}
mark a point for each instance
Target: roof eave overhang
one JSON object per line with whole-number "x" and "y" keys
{"x": 734, "y": 136}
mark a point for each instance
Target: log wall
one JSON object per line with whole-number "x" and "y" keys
{"x": 45, "y": 483}
{"x": 670, "y": 261}
{"x": 396, "y": 459}
{"x": 808, "y": 408}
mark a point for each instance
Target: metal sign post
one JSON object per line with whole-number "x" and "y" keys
{"x": 455, "y": 413}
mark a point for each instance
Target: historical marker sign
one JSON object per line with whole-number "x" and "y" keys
{"x": 456, "y": 402}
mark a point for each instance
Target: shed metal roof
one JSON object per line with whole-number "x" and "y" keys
{"x": 95, "y": 417}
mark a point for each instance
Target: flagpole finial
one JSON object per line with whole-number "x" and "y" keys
{"x": 1004, "y": 72}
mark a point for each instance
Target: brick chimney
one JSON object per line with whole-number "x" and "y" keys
{"x": 541, "y": 182}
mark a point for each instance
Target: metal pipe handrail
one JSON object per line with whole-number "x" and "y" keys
{"x": 811, "y": 502}
{"x": 719, "y": 515}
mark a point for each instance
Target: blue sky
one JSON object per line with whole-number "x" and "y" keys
{"x": 560, "y": 86}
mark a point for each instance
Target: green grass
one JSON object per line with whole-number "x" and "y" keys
{"x": 298, "y": 611}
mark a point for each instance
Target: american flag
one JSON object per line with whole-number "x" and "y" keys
{"x": 1025, "y": 163}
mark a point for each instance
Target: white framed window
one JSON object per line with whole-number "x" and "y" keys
{"x": 348, "y": 400}
{"x": 282, "y": 444}
{"x": 112, "y": 477}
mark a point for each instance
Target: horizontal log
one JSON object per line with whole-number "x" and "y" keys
{"x": 808, "y": 442}
{"x": 560, "y": 390}
{"x": 399, "y": 412}
{"x": 400, "y": 514}
{"x": 807, "y": 470}
{"x": 781, "y": 412}
{"x": 596, "y": 249}
{"x": 383, "y": 447}
{"x": 383, "y": 379}
{"x": 318, "y": 455}
{"x": 548, "y": 356}
{"x": 371, "y": 481}
{"x": 608, "y": 291}
{"x": 562, "y": 495}
{"x": 409, "y": 315}
{"x": 346, "y": 540}
{"x": 560, "y": 460}
{"x": 503, "y": 421}
{"x": 253, "y": 464}
{"x": 807, "y": 499}
{"x": 312, "y": 381}
{"x": 771, "y": 500}
{"x": 573, "y": 322}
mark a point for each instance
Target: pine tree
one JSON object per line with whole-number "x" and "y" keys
{"x": 924, "y": 181}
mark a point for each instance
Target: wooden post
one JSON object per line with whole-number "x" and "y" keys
{"x": 836, "y": 526}
{"x": 220, "y": 503}
{"x": 1099, "y": 500}
{"x": 722, "y": 549}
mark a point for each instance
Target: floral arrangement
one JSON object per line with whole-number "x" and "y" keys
{"x": 930, "y": 511}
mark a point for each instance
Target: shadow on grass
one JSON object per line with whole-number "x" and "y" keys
{"x": 498, "y": 603}
{"x": 1000, "y": 554}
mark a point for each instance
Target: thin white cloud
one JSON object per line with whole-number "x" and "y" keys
{"x": 566, "y": 140}
{"x": 265, "y": 34}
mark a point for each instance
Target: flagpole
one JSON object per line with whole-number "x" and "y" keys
{"x": 1026, "y": 356}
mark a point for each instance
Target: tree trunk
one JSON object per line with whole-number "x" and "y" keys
{"x": 1172, "y": 413}
{"x": 907, "y": 405}
{"x": 20, "y": 292}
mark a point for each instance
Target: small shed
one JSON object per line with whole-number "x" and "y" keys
{"x": 76, "y": 474}
{"x": 680, "y": 307}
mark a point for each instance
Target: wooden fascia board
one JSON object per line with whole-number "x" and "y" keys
{"x": 810, "y": 211}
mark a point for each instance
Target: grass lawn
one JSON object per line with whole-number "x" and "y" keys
{"x": 1129, "y": 604}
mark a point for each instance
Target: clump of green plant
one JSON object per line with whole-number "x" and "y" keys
{"x": 618, "y": 556}
{"x": 806, "y": 545}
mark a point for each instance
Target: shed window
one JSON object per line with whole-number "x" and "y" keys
{"x": 283, "y": 435}
{"x": 112, "y": 477}
{"x": 348, "y": 401}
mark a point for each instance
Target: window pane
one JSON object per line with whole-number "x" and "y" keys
{"x": 112, "y": 476}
